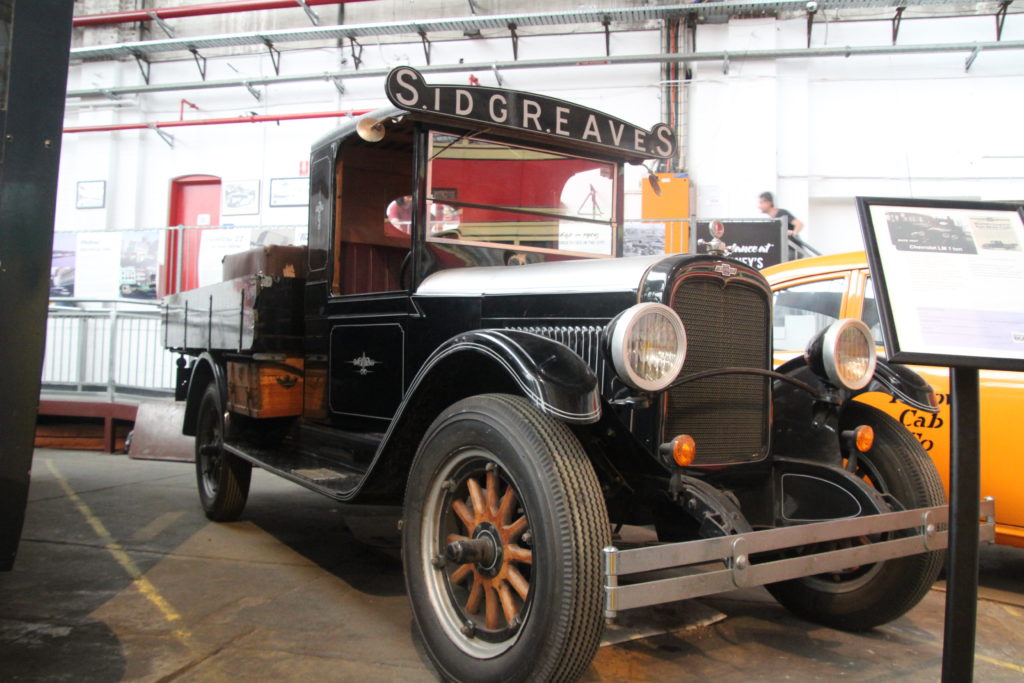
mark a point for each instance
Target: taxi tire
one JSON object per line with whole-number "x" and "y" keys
{"x": 909, "y": 475}
{"x": 567, "y": 517}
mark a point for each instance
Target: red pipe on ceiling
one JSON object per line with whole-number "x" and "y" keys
{"x": 195, "y": 11}
{"x": 259, "y": 118}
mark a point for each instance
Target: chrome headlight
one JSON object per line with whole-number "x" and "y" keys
{"x": 648, "y": 346}
{"x": 844, "y": 354}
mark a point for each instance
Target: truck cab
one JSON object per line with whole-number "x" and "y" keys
{"x": 462, "y": 344}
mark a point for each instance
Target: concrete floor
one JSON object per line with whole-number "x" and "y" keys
{"x": 121, "y": 577}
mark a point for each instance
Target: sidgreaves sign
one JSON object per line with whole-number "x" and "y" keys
{"x": 526, "y": 111}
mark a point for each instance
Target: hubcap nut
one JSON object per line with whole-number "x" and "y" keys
{"x": 438, "y": 561}
{"x": 468, "y": 629}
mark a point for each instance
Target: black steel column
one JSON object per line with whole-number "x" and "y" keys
{"x": 962, "y": 562}
{"x": 35, "y": 39}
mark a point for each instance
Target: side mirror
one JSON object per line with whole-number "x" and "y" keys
{"x": 655, "y": 184}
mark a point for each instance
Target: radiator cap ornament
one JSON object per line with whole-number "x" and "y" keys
{"x": 716, "y": 247}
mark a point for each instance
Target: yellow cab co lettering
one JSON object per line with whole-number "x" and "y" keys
{"x": 921, "y": 423}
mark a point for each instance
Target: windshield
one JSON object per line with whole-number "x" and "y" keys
{"x": 495, "y": 194}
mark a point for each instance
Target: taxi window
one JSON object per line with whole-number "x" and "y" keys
{"x": 869, "y": 312}
{"x": 802, "y": 310}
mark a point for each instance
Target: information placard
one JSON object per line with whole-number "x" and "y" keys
{"x": 950, "y": 280}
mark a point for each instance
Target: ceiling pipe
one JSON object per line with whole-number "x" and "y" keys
{"x": 181, "y": 108}
{"x": 475, "y": 24}
{"x": 196, "y": 11}
{"x": 716, "y": 56}
{"x": 258, "y": 118}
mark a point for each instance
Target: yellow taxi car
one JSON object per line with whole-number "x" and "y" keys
{"x": 814, "y": 292}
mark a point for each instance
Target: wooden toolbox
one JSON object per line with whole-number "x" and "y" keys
{"x": 266, "y": 388}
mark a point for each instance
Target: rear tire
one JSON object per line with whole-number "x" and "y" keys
{"x": 492, "y": 469}
{"x": 864, "y": 597}
{"x": 223, "y": 478}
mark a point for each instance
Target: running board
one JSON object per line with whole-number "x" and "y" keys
{"x": 921, "y": 534}
{"x": 326, "y": 477}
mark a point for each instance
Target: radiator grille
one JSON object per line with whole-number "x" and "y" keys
{"x": 726, "y": 326}
{"x": 584, "y": 340}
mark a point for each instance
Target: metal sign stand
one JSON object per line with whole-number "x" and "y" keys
{"x": 962, "y": 559}
{"x": 926, "y": 232}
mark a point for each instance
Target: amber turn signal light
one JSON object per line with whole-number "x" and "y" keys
{"x": 684, "y": 450}
{"x": 864, "y": 438}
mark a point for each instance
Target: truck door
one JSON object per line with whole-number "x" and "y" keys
{"x": 368, "y": 305}
{"x": 321, "y": 220}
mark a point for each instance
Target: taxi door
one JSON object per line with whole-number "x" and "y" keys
{"x": 1002, "y": 407}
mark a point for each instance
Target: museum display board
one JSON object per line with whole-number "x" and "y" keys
{"x": 951, "y": 280}
{"x": 948, "y": 278}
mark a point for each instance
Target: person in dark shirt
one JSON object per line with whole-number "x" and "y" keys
{"x": 766, "y": 202}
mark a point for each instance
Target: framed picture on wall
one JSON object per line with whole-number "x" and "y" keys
{"x": 289, "y": 192}
{"x": 91, "y": 194}
{"x": 240, "y": 197}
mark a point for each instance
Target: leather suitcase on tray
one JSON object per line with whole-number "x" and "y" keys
{"x": 276, "y": 261}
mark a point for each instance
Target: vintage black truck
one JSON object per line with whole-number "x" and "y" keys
{"x": 463, "y": 346}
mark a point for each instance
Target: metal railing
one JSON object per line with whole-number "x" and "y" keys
{"x": 800, "y": 249}
{"x": 112, "y": 347}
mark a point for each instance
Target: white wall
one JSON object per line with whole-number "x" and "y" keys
{"x": 817, "y": 132}
{"x": 138, "y": 166}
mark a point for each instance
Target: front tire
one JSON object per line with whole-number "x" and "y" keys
{"x": 223, "y": 478}
{"x": 504, "y": 526}
{"x": 861, "y": 598}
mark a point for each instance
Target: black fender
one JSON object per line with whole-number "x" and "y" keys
{"x": 204, "y": 370}
{"x": 547, "y": 373}
{"x": 893, "y": 379}
{"x": 550, "y": 375}
{"x": 902, "y": 383}
{"x": 807, "y": 425}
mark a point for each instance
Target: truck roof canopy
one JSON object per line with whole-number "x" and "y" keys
{"x": 524, "y": 115}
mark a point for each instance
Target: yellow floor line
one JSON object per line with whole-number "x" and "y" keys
{"x": 157, "y": 526}
{"x": 150, "y": 592}
{"x": 147, "y": 589}
{"x": 998, "y": 662}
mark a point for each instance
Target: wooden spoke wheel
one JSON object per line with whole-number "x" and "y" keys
{"x": 483, "y": 545}
{"x": 503, "y": 528}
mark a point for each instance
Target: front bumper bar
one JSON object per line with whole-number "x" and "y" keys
{"x": 919, "y": 532}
